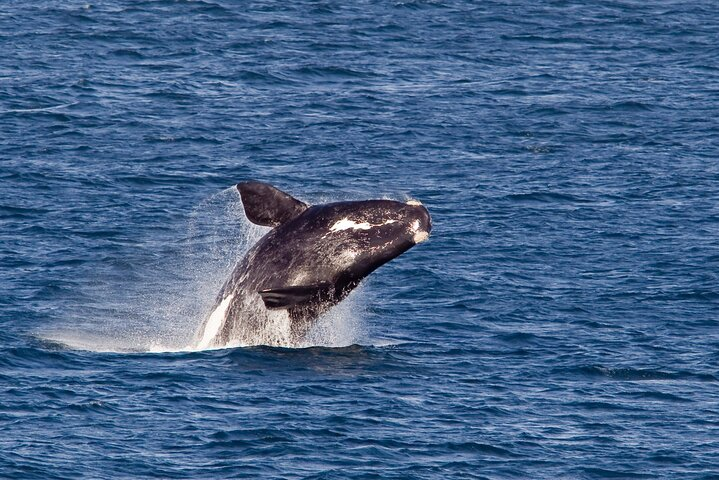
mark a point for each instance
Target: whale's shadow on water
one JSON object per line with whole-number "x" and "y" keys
{"x": 349, "y": 360}
{"x": 381, "y": 358}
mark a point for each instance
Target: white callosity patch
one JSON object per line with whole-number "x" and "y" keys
{"x": 414, "y": 203}
{"x": 214, "y": 323}
{"x": 419, "y": 235}
{"x": 346, "y": 224}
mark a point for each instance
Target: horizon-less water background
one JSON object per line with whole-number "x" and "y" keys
{"x": 561, "y": 322}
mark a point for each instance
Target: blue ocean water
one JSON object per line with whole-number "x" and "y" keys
{"x": 561, "y": 322}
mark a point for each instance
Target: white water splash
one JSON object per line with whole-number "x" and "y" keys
{"x": 341, "y": 326}
{"x": 165, "y": 304}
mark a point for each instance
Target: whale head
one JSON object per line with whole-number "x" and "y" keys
{"x": 373, "y": 231}
{"x": 335, "y": 244}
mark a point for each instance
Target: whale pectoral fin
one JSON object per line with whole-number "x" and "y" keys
{"x": 288, "y": 297}
{"x": 267, "y": 206}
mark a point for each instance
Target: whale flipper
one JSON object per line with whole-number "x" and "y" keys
{"x": 267, "y": 206}
{"x": 287, "y": 297}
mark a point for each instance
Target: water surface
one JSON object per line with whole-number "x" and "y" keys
{"x": 561, "y": 322}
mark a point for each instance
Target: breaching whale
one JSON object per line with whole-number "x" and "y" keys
{"x": 311, "y": 259}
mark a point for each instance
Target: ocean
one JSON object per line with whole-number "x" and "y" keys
{"x": 561, "y": 322}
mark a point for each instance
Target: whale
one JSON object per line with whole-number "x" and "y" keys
{"x": 310, "y": 260}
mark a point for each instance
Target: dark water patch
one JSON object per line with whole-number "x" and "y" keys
{"x": 552, "y": 40}
{"x": 667, "y": 457}
{"x": 596, "y": 405}
{"x": 707, "y": 295}
{"x": 29, "y": 357}
{"x": 171, "y": 95}
{"x": 630, "y": 106}
{"x": 633, "y": 375}
{"x": 91, "y": 407}
{"x": 544, "y": 197}
{"x": 10, "y": 212}
{"x": 264, "y": 77}
{"x": 329, "y": 72}
{"x": 594, "y": 472}
{"x": 248, "y": 437}
{"x": 127, "y": 54}
{"x": 482, "y": 449}
{"x": 658, "y": 396}
{"x": 201, "y": 140}
{"x": 518, "y": 337}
